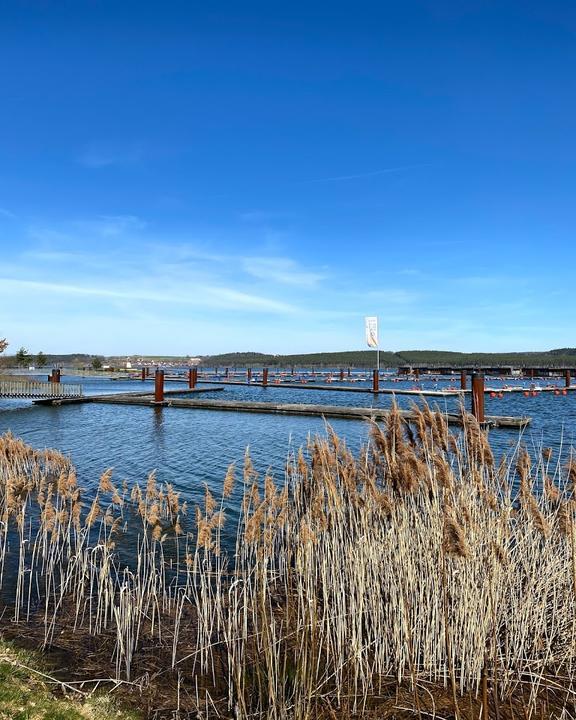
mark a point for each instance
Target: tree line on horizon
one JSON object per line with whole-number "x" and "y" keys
{"x": 352, "y": 358}
{"x": 389, "y": 359}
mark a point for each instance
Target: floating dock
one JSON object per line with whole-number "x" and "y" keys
{"x": 441, "y": 392}
{"x": 330, "y": 388}
{"x": 322, "y": 411}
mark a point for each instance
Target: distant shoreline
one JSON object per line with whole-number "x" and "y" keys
{"x": 354, "y": 358}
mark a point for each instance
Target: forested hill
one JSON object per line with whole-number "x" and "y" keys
{"x": 356, "y": 358}
{"x": 366, "y": 358}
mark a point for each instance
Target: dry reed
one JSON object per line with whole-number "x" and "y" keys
{"x": 358, "y": 585}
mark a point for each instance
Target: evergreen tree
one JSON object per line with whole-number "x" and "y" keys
{"x": 22, "y": 357}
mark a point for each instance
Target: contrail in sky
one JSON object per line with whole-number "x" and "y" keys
{"x": 374, "y": 173}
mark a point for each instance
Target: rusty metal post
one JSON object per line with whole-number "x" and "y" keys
{"x": 417, "y": 374}
{"x": 55, "y": 378}
{"x": 159, "y": 386}
{"x": 249, "y": 374}
{"x": 226, "y": 373}
{"x": 143, "y": 374}
{"x": 341, "y": 374}
{"x": 265, "y": 377}
{"x": 478, "y": 396}
{"x": 292, "y": 373}
{"x": 463, "y": 379}
{"x": 567, "y": 378}
{"x": 375, "y": 381}
{"x": 349, "y": 372}
{"x": 192, "y": 378}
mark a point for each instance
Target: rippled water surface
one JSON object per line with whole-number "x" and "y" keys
{"x": 190, "y": 447}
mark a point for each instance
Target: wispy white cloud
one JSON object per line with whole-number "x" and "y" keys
{"x": 394, "y": 296}
{"x": 281, "y": 270}
{"x": 492, "y": 280}
{"x": 203, "y": 296}
{"x": 101, "y": 155}
{"x": 110, "y": 225}
{"x": 55, "y": 237}
{"x": 262, "y": 216}
{"x": 373, "y": 173}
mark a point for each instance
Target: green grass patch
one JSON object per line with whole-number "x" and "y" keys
{"x": 27, "y": 695}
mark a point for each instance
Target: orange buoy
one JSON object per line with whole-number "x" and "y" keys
{"x": 526, "y": 393}
{"x": 564, "y": 392}
{"x": 492, "y": 394}
{"x": 500, "y": 395}
{"x": 534, "y": 393}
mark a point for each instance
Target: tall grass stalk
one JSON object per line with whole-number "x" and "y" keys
{"x": 415, "y": 565}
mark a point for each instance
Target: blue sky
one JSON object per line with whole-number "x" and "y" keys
{"x": 201, "y": 177}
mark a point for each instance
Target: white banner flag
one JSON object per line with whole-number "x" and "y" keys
{"x": 371, "y": 331}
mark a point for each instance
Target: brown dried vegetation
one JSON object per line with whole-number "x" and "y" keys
{"x": 410, "y": 581}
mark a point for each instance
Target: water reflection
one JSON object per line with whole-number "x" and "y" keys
{"x": 191, "y": 447}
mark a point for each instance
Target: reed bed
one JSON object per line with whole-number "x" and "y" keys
{"x": 417, "y": 579}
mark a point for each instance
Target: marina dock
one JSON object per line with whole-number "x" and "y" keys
{"x": 369, "y": 389}
{"x": 322, "y": 411}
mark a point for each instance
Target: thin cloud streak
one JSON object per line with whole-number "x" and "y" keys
{"x": 280, "y": 270}
{"x": 217, "y": 297}
{"x": 99, "y": 156}
{"x": 374, "y": 173}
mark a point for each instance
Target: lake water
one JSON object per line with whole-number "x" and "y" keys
{"x": 191, "y": 447}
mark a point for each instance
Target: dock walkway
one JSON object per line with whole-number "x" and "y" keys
{"x": 442, "y": 392}
{"x": 32, "y": 389}
{"x": 322, "y": 411}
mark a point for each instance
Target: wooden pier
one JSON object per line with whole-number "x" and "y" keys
{"x": 343, "y": 388}
{"x": 81, "y": 399}
{"x": 321, "y": 411}
{"x": 330, "y": 388}
{"x": 31, "y": 389}
{"x": 444, "y": 392}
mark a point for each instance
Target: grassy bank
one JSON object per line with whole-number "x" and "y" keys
{"x": 29, "y": 692}
{"x": 418, "y": 579}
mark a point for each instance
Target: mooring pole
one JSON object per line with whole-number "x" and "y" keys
{"x": 349, "y": 372}
{"x": 567, "y": 378}
{"x": 478, "y": 396}
{"x": 143, "y": 374}
{"x": 341, "y": 374}
{"x": 192, "y": 378}
{"x": 159, "y": 386}
{"x": 226, "y": 373}
{"x": 417, "y": 373}
{"x": 375, "y": 381}
{"x": 265, "y": 377}
{"x": 463, "y": 379}
{"x": 249, "y": 374}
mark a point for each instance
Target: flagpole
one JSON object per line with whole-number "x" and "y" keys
{"x": 377, "y": 348}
